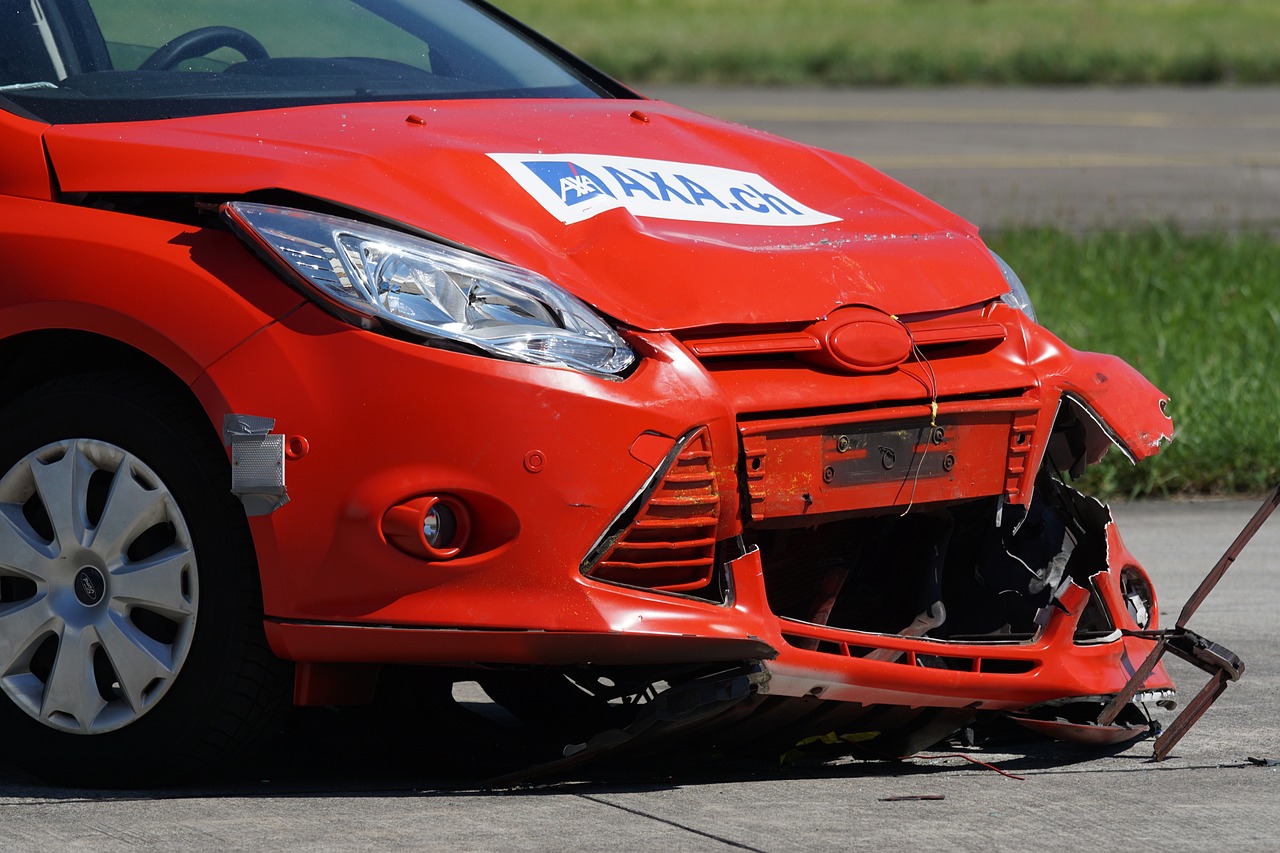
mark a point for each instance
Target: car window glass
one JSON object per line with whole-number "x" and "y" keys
{"x": 134, "y": 29}
{"x": 127, "y": 60}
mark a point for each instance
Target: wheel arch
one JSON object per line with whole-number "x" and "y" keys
{"x": 217, "y": 688}
{"x": 33, "y": 358}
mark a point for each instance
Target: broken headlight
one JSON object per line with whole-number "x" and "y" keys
{"x": 371, "y": 276}
{"x": 1138, "y": 595}
{"x": 1017, "y": 296}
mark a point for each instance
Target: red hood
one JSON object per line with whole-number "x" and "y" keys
{"x": 884, "y": 245}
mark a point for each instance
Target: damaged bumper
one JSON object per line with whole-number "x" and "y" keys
{"x": 908, "y": 550}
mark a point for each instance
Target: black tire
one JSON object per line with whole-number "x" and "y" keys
{"x": 131, "y": 641}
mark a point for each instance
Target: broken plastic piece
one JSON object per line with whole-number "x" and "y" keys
{"x": 1064, "y": 728}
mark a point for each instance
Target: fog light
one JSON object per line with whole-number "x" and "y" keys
{"x": 435, "y": 527}
{"x": 439, "y": 526}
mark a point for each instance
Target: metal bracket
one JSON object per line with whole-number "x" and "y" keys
{"x": 257, "y": 463}
{"x": 1221, "y": 663}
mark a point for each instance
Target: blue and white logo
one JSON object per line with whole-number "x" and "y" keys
{"x": 576, "y": 187}
{"x": 571, "y": 182}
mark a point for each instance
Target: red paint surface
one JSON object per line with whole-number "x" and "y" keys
{"x": 744, "y": 330}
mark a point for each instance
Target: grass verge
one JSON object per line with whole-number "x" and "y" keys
{"x": 917, "y": 42}
{"x": 1199, "y": 316}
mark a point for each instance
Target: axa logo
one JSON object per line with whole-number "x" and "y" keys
{"x": 571, "y": 182}
{"x": 576, "y": 187}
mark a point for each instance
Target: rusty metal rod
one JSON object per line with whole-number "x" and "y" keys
{"x": 1116, "y": 705}
{"x": 1190, "y": 715}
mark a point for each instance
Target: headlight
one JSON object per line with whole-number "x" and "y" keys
{"x": 1017, "y": 295}
{"x": 373, "y": 275}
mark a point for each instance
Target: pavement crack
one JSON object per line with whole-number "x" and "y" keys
{"x": 737, "y": 844}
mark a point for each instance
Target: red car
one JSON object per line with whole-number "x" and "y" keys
{"x": 349, "y": 336}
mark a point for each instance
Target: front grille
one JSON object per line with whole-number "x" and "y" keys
{"x": 933, "y": 337}
{"x": 670, "y": 545}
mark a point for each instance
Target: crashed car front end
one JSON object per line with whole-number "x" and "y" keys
{"x": 870, "y": 506}
{"x": 468, "y": 363}
{"x": 869, "y": 503}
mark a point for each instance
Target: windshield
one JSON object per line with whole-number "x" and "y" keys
{"x": 70, "y": 61}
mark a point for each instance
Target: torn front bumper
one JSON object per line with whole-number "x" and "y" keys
{"x": 802, "y": 659}
{"x": 711, "y": 525}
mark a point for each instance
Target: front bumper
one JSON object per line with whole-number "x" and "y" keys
{"x": 655, "y": 630}
{"x": 550, "y": 460}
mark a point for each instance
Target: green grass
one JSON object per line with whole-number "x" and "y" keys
{"x": 1200, "y": 317}
{"x": 917, "y": 42}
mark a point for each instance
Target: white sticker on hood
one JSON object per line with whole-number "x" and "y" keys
{"x": 574, "y": 187}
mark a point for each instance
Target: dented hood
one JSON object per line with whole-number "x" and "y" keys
{"x": 659, "y": 217}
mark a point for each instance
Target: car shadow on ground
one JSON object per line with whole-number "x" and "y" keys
{"x": 326, "y": 752}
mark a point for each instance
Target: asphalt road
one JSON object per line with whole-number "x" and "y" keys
{"x": 1203, "y": 158}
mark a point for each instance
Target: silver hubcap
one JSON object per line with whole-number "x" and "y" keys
{"x": 98, "y": 586}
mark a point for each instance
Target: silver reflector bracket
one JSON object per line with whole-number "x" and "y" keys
{"x": 257, "y": 463}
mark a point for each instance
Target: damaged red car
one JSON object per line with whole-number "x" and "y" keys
{"x": 343, "y": 337}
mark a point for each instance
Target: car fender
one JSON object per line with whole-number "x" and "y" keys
{"x": 1121, "y": 407}
{"x": 181, "y": 294}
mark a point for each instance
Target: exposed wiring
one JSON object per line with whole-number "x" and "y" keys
{"x": 968, "y": 758}
{"x": 930, "y": 387}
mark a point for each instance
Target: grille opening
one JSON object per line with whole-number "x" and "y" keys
{"x": 950, "y": 574}
{"x": 955, "y": 663}
{"x": 738, "y": 348}
{"x": 730, "y": 361}
{"x": 1008, "y": 667}
{"x": 859, "y": 411}
{"x": 669, "y": 543}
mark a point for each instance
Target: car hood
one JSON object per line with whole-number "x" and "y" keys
{"x": 659, "y": 217}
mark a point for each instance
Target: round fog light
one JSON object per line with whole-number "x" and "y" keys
{"x": 435, "y": 527}
{"x": 439, "y": 526}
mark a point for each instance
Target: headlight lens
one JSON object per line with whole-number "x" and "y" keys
{"x": 376, "y": 275}
{"x": 1017, "y": 295}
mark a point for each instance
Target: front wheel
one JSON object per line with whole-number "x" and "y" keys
{"x": 131, "y": 647}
